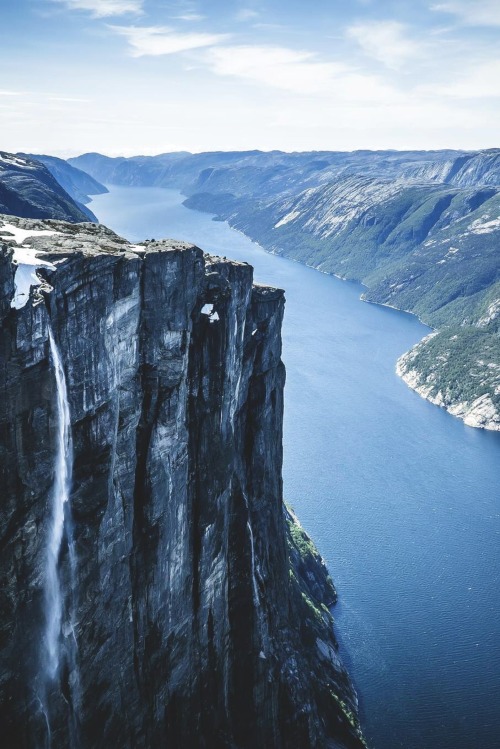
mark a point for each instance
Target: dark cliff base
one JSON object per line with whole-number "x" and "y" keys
{"x": 198, "y": 616}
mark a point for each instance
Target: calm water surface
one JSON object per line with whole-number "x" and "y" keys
{"x": 402, "y": 499}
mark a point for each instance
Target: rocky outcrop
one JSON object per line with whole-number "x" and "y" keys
{"x": 442, "y": 365}
{"x": 194, "y": 612}
{"x": 476, "y": 168}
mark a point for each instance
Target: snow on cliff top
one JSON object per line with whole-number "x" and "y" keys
{"x": 20, "y": 235}
{"x": 26, "y": 260}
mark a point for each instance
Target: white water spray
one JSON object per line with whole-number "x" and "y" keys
{"x": 254, "y": 579}
{"x": 60, "y": 496}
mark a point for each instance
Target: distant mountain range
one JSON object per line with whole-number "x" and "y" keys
{"x": 420, "y": 229}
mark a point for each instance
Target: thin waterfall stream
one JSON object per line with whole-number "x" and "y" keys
{"x": 60, "y": 496}
{"x": 59, "y": 599}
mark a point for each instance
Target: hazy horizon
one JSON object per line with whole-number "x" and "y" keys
{"x": 124, "y": 77}
{"x": 279, "y": 150}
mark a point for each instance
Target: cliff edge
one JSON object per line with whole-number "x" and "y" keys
{"x": 154, "y": 591}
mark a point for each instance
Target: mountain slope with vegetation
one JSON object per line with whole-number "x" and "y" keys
{"x": 421, "y": 230}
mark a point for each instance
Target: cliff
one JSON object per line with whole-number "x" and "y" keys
{"x": 154, "y": 592}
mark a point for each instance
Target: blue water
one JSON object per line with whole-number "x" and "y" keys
{"x": 402, "y": 499}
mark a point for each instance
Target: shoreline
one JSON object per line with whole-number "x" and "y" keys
{"x": 478, "y": 414}
{"x": 469, "y": 414}
{"x": 406, "y": 312}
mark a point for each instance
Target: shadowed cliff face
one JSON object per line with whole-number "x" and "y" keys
{"x": 188, "y": 607}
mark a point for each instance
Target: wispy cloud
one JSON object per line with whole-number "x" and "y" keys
{"x": 104, "y": 8}
{"x": 163, "y": 40}
{"x": 11, "y": 93}
{"x": 246, "y": 14}
{"x": 385, "y": 41}
{"x": 189, "y": 17}
{"x": 278, "y": 67}
{"x": 478, "y": 13}
{"x": 297, "y": 72}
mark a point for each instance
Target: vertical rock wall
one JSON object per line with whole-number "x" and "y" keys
{"x": 188, "y": 628}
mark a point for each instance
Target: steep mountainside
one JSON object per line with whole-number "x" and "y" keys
{"x": 155, "y": 592}
{"x": 419, "y": 229}
{"x": 78, "y": 184}
{"x": 28, "y": 189}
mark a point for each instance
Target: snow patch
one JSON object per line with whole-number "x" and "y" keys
{"x": 16, "y": 161}
{"x": 20, "y": 235}
{"x": 25, "y": 277}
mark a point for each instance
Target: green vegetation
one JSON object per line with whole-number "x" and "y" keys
{"x": 350, "y": 716}
{"x": 314, "y": 589}
{"x": 312, "y": 593}
{"x": 462, "y": 364}
{"x": 433, "y": 250}
{"x": 314, "y": 610}
{"x": 300, "y": 539}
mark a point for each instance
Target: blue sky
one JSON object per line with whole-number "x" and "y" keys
{"x": 149, "y": 76}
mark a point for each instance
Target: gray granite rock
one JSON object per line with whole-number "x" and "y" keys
{"x": 201, "y": 619}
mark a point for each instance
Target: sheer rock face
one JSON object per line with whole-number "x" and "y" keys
{"x": 186, "y": 607}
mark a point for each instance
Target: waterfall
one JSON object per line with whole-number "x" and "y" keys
{"x": 60, "y": 497}
{"x": 59, "y": 670}
{"x": 254, "y": 579}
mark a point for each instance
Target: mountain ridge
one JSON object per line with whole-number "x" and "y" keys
{"x": 28, "y": 189}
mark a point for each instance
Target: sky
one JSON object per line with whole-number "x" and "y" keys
{"x": 127, "y": 77}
